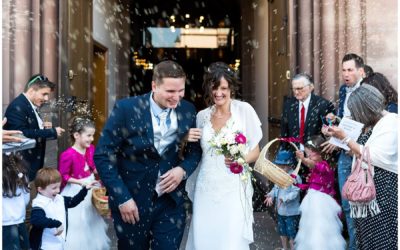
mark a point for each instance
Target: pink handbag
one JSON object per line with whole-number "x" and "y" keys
{"x": 359, "y": 186}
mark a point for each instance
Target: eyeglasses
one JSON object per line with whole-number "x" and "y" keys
{"x": 300, "y": 88}
{"x": 40, "y": 78}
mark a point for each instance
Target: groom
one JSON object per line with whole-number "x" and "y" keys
{"x": 137, "y": 160}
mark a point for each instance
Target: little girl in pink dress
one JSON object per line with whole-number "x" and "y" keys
{"x": 86, "y": 228}
{"x": 320, "y": 226}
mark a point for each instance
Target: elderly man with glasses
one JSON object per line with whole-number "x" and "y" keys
{"x": 302, "y": 113}
{"x": 22, "y": 114}
{"x": 301, "y": 117}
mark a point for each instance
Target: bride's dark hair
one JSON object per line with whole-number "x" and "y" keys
{"x": 212, "y": 80}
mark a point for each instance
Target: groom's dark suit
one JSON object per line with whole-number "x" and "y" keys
{"x": 128, "y": 164}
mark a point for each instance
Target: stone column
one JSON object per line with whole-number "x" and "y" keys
{"x": 305, "y": 36}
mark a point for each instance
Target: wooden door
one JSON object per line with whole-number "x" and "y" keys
{"x": 75, "y": 59}
{"x": 278, "y": 66}
{"x": 99, "y": 95}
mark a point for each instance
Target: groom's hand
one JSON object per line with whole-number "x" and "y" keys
{"x": 171, "y": 179}
{"x": 194, "y": 135}
{"x": 129, "y": 212}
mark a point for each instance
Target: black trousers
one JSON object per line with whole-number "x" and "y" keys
{"x": 160, "y": 227}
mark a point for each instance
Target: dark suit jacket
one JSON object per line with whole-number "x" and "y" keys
{"x": 342, "y": 98}
{"x": 126, "y": 159}
{"x": 290, "y": 117}
{"x": 21, "y": 116}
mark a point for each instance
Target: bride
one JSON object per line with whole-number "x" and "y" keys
{"x": 222, "y": 200}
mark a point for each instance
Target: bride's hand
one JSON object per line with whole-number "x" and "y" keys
{"x": 228, "y": 160}
{"x": 171, "y": 179}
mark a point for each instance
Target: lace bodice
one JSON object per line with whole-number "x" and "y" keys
{"x": 213, "y": 187}
{"x": 214, "y": 176}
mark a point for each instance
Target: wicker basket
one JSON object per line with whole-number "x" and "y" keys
{"x": 272, "y": 172}
{"x": 100, "y": 201}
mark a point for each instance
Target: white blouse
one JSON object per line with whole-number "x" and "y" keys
{"x": 383, "y": 143}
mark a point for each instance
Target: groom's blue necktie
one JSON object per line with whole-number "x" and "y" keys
{"x": 164, "y": 121}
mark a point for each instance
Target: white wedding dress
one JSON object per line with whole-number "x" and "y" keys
{"x": 222, "y": 201}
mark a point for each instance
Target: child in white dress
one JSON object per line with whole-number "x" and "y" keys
{"x": 87, "y": 229}
{"x": 320, "y": 226}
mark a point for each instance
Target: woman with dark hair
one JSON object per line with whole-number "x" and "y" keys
{"x": 15, "y": 199}
{"x": 367, "y": 70}
{"x": 380, "y": 82}
{"x": 222, "y": 196}
{"x": 366, "y": 105}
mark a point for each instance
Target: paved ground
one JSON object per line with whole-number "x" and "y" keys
{"x": 265, "y": 236}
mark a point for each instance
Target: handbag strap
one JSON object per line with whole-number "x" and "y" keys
{"x": 358, "y": 161}
{"x": 368, "y": 158}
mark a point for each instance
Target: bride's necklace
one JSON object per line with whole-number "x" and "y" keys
{"x": 221, "y": 116}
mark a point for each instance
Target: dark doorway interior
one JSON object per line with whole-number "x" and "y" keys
{"x": 183, "y": 15}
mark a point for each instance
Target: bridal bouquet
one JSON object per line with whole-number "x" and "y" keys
{"x": 231, "y": 145}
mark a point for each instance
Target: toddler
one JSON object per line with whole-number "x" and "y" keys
{"x": 287, "y": 201}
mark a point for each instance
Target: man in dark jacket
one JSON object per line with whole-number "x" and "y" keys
{"x": 352, "y": 74}
{"x": 138, "y": 161}
{"x": 302, "y": 114}
{"x": 22, "y": 114}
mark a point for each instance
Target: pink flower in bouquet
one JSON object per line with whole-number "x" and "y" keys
{"x": 236, "y": 168}
{"x": 240, "y": 138}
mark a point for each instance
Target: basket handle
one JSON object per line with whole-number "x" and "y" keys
{"x": 265, "y": 150}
